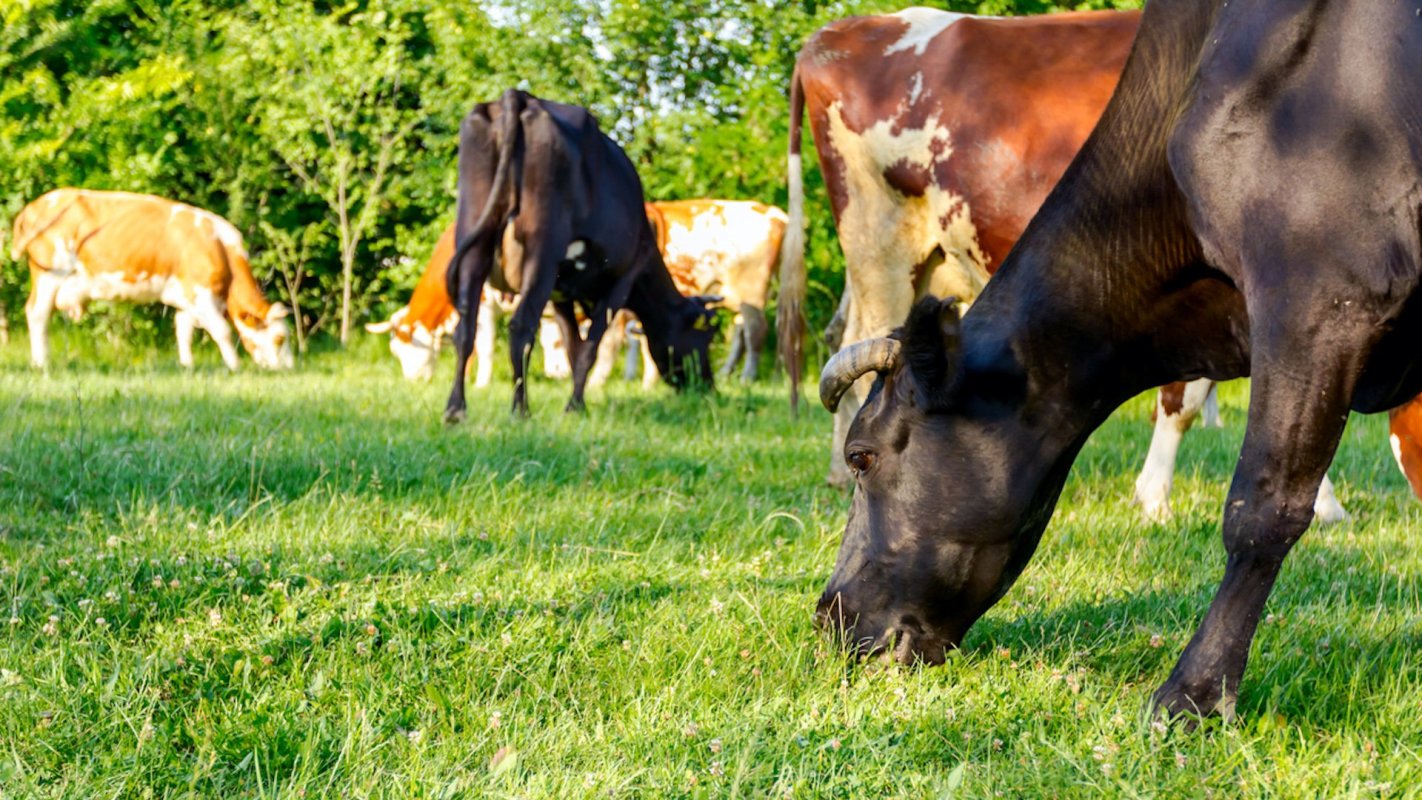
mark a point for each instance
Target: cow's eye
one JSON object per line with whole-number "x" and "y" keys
{"x": 860, "y": 461}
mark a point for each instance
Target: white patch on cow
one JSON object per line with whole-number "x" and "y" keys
{"x": 210, "y": 313}
{"x": 1156, "y": 478}
{"x": 1326, "y": 508}
{"x": 915, "y": 89}
{"x": 555, "y": 355}
{"x": 885, "y": 234}
{"x": 1396, "y": 443}
{"x": 576, "y": 249}
{"x": 924, "y": 25}
{"x": 417, "y": 351}
{"x": 726, "y": 247}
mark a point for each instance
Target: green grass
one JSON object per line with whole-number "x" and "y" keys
{"x": 309, "y": 587}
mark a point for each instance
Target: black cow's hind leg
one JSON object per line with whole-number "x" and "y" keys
{"x": 540, "y": 272}
{"x": 1297, "y": 411}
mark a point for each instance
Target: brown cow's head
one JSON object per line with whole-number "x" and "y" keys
{"x": 267, "y": 338}
{"x": 416, "y": 347}
{"x": 942, "y": 520}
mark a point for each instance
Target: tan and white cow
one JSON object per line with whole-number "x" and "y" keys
{"x": 86, "y": 245}
{"x": 729, "y": 249}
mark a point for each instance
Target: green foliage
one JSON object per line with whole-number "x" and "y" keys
{"x": 302, "y": 584}
{"x": 328, "y": 129}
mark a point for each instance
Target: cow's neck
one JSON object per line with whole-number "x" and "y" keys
{"x": 1107, "y": 295}
{"x": 244, "y": 296}
{"x": 656, "y": 302}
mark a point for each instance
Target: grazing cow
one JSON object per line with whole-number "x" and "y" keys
{"x": 954, "y": 178}
{"x": 939, "y": 135}
{"x": 1247, "y": 205}
{"x": 576, "y": 207}
{"x": 418, "y": 328}
{"x": 1406, "y": 424}
{"x": 88, "y": 245}
{"x": 725, "y": 248}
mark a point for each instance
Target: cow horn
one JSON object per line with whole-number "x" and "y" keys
{"x": 853, "y": 362}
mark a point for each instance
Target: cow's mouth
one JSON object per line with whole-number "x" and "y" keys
{"x": 906, "y": 641}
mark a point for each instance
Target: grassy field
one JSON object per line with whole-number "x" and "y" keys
{"x": 303, "y": 585}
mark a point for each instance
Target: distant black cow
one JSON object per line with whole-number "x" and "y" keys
{"x": 576, "y": 206}
{"x": 1248, "y": 205}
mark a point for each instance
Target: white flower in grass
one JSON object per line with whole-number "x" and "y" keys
{"x": 101, "y": 622}
{"x": 52, "y": 626}
{"x": 113, "y": 541}
{"x": 214, "y": 617}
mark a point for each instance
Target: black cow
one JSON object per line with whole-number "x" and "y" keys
{"x": 1248, "y": 205}
{"x": 575, "y": 203}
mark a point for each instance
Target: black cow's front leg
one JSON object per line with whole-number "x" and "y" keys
{"x": 1297, "y": 411}
{"x": 602, "y": 316}
{"x": 567, "y": 317}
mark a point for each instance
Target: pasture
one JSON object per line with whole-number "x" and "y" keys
{"x": 302, "y": 584}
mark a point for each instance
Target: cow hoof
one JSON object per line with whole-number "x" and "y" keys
{"x": 1174, "y": 703}
{"x": 575, "y": 407}
{"x": 454, "y": 416}
{"x": 1154, "y": 503}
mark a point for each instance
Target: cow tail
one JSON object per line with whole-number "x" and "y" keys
{"x": 23, "y": 238}
{"x": 789, "y": 311}
{"x": 658, "y": 221}
{"x": 501, "y": 188}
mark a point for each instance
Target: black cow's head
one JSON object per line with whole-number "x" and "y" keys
{"x": 946, "y": 471}
{"x": 682, "y": 351}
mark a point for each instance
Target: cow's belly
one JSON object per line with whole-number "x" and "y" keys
{"x": 79, "y": 288}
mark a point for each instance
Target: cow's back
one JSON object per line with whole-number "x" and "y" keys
{"x": 989, "y": 111}
{"x": 725, "y": 247}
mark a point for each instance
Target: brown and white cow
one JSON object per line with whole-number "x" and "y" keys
{"x": 1406, "y": 424}
{"x": 88, "y": 245}
{"x": 939, "y": 136}
{"x": 725, "y": 248}
{"x": 418, "y": 329}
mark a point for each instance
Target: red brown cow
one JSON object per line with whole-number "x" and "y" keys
{"x": 88, "y": 245}
{"x": 1407, "y": 442}
{"x": 939, "y": 135}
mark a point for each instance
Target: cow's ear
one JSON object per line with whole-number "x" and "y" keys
{"x": 278, "y": 311}
{"x": 933, "y": 350}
